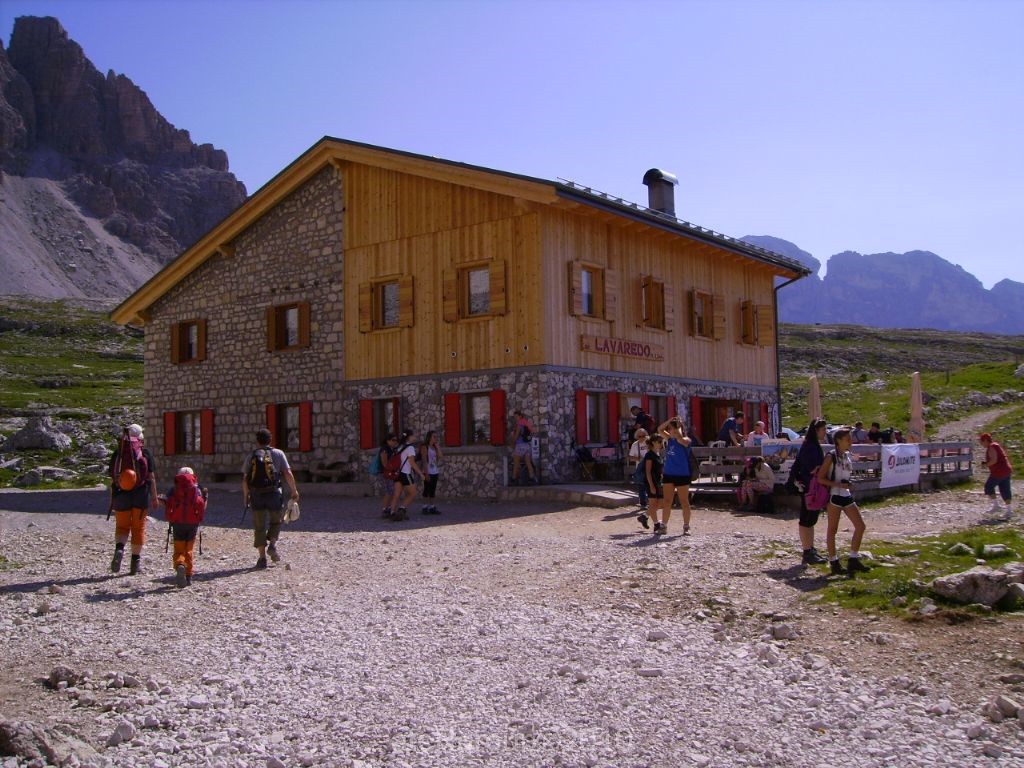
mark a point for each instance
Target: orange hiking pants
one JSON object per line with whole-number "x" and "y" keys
{"x": 133, "y": 522}
{"x": 183, "y": 554}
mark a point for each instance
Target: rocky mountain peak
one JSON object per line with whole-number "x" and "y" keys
{"x": 106, "y": 152}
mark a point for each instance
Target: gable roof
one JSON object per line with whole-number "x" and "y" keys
{"x": 330, "y": 150}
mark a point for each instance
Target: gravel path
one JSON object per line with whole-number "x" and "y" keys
{"x": 528, "y": 635}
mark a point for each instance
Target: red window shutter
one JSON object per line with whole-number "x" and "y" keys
{"x": 581, "y": 416}
{"x": 645, "y": 403}
{"x": 764, "y": 417}
{"x": 170, "y": 433}
{"x": 613, "y": 417}
{"x": 452, "y": 419}
{"x": 272, "y": 423}
{"x": 366, "y": 440}
{"x": 498, "y": 417}
{"x": 670, "y": 403}
{"x": 306, "y": 426}
{"x": 206, "y": 439}
{"x": 695, "y": 420}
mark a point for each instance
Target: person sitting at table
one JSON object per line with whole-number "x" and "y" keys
{"x": 859, "y": 434}
{"x": 758, "y": 436}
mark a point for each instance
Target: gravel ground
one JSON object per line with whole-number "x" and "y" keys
{"x": 493, "y": 635}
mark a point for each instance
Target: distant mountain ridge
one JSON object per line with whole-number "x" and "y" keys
{"x": 97, "y": 189}
{"x": 917, "y": 289}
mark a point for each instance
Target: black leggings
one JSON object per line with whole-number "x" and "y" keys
{"x": 430, "y": 486}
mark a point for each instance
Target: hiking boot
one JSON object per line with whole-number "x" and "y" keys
{"x": 837, "y": 568}
{"x": 179, "y": 576}
{"x": 400, "y": 514}
{"x": 659, "y": 529}
{"x": 854, "y": 565}
{"x": 261, "y": 563}
{"x": 188, "y": 581}
{"x": 386, "y": 512}
{"x": 643, "y": 520}
{"x": 115, "y": 562}
{"x": 272, "y": 551}
{"x": 811, "y": 557}
{"x": 134, "y": 567}
{"x": 995, "y": 507}
{"x": 664, "y": 529}
{"x": 686, "y": 530}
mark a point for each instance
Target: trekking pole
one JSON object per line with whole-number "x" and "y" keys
{"x": 200, "y": 541}
{"x": 167, "y": 541}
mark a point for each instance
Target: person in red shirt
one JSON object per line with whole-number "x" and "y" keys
{"x": 999, "y": 472}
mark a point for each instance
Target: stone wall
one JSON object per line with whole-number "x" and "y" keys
{"x": 293, "y": 253}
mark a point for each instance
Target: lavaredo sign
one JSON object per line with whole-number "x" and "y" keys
{"x": 901, "y": 465}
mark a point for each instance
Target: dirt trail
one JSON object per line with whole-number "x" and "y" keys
{"x": 969, "y": 427}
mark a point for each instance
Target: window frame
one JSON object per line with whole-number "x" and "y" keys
{"x": 653, "y": 303}
{"x": 182, "y": 352}
{"x": 596, "y": 293}
{"x": 277, "y": 326}
{"x": 703, "y": 320}
{"x": 181, "y": 429}
{"x": 469, "y": 434}
{"x": 380, "y": 304}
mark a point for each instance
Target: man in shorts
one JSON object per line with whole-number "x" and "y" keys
{"x": 262, "y": 474}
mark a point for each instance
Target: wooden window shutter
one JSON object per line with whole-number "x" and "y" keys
{"x": 170, "y": 433}
{"x": 645, "y": 300}
{"x": 611, "y": 294}
{"x": 452, "y": 419}
{"x": 581, "y": 416}
{"x": 764, "y": 322}
{"x": 175, "y": 343}
{"x": 396, "y": 415}
{"x": 747, "y": 328}
{"x": 499, "y": 304}
{"x": 271, "y": 329}
{"x": 303, "y": 323}
{"x": 695, "y": 417}
{"x": 272, "y": 423}
{"x": 670, "y": 405}
{"x": 498, "y": 417}
{"x": 201, "y": 339}
{"x": 207, "y": 442}
{"x": 450, "y": 295}
{"x": 575, "y": 288}
{"x": 366, "y": 425}
{"x": 764, "y": 418}
{"x": 365, "y": 308}
{"x": 613, "y": 417}
{"x": 692, "y": 298}
{"x": 405, "y": 302}
{"x": 668, "y": 305}
{"x": 306, "y": 426}
{"x": 718, "y": 310}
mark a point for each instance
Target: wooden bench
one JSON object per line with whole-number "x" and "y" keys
{"x": 337, "y": 472}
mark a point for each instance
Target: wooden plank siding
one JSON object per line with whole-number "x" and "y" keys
{"x": 629, "y": 254}
{"x": 400, "y": 224}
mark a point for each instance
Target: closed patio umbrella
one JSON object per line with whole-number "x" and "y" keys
{"x": 814, "y": 400}
{"x": 915, "y": 430}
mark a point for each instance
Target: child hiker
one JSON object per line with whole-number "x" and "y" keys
{"x": 185, "y": 505}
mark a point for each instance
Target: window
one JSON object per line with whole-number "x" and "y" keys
{"x": 474, "y": 418}
{"x": 291, "y": 425}
{"x": 593, "y": 291}
{"x": 658, "y": 408}
{"x": 656, "y": 304}
{"x": 378, "y": 418}
{"x": 474, "y": 290}
{"x": 189, "y": 432}
{"x": 756, "y": 323}
{"x": 188, "y": 341}
{"x": 386, "y": 303}
{"x": 288, "y": 327}
{"x": 707, "y": 315}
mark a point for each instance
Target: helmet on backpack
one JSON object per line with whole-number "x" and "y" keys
{"x": 127, "y": 479}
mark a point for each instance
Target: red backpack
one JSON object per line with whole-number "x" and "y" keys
{"x": 130, "y": 469}
{"x": 391, "y": 469}
{"x": 185, "y": 504}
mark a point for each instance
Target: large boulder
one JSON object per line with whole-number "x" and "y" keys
{"x": 978, "y": 585}
{"x": 39, "y": 432}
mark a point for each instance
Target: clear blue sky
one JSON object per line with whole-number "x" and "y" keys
{"x": 835, "y": 124}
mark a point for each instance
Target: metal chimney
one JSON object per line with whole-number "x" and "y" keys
{"x": 661, "y": 195}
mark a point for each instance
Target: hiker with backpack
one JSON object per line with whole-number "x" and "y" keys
{"x": 403, "y": 468}
{"x": 522, "y": 448}
{"x": 430, "y": 457}
{"x": 132, "y": 494}
{"x": 184, "y": 508}
{"x": 807, "y": 463}
{"x": 836, "y": 474}
{"x": 262, "y": 475}
{"x": 379, "y": 469}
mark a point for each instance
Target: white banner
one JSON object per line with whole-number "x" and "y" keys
{"x": 901, "y": 465}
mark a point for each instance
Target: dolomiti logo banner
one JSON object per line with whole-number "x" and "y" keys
{"x": 901, "y": 465}
{"x": 609, "y": 345}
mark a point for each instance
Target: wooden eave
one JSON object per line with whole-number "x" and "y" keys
{"x": 135, "y": 309}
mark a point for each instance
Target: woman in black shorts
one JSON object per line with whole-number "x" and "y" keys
{"x": 835, "y": 473}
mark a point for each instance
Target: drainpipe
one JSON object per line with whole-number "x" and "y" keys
{"x": 778, "y": 372}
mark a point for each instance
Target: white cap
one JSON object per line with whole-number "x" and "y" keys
{"x": 186, "y": 471}
{"x": 135, "y": 430}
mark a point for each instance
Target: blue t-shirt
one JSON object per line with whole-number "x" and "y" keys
{"x": 727, "y": 427}
{"x": 677, "y": 461}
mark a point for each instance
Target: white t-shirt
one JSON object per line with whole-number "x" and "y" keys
{"x": 637, "y": 451}
{"x": 408, "y": 453}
